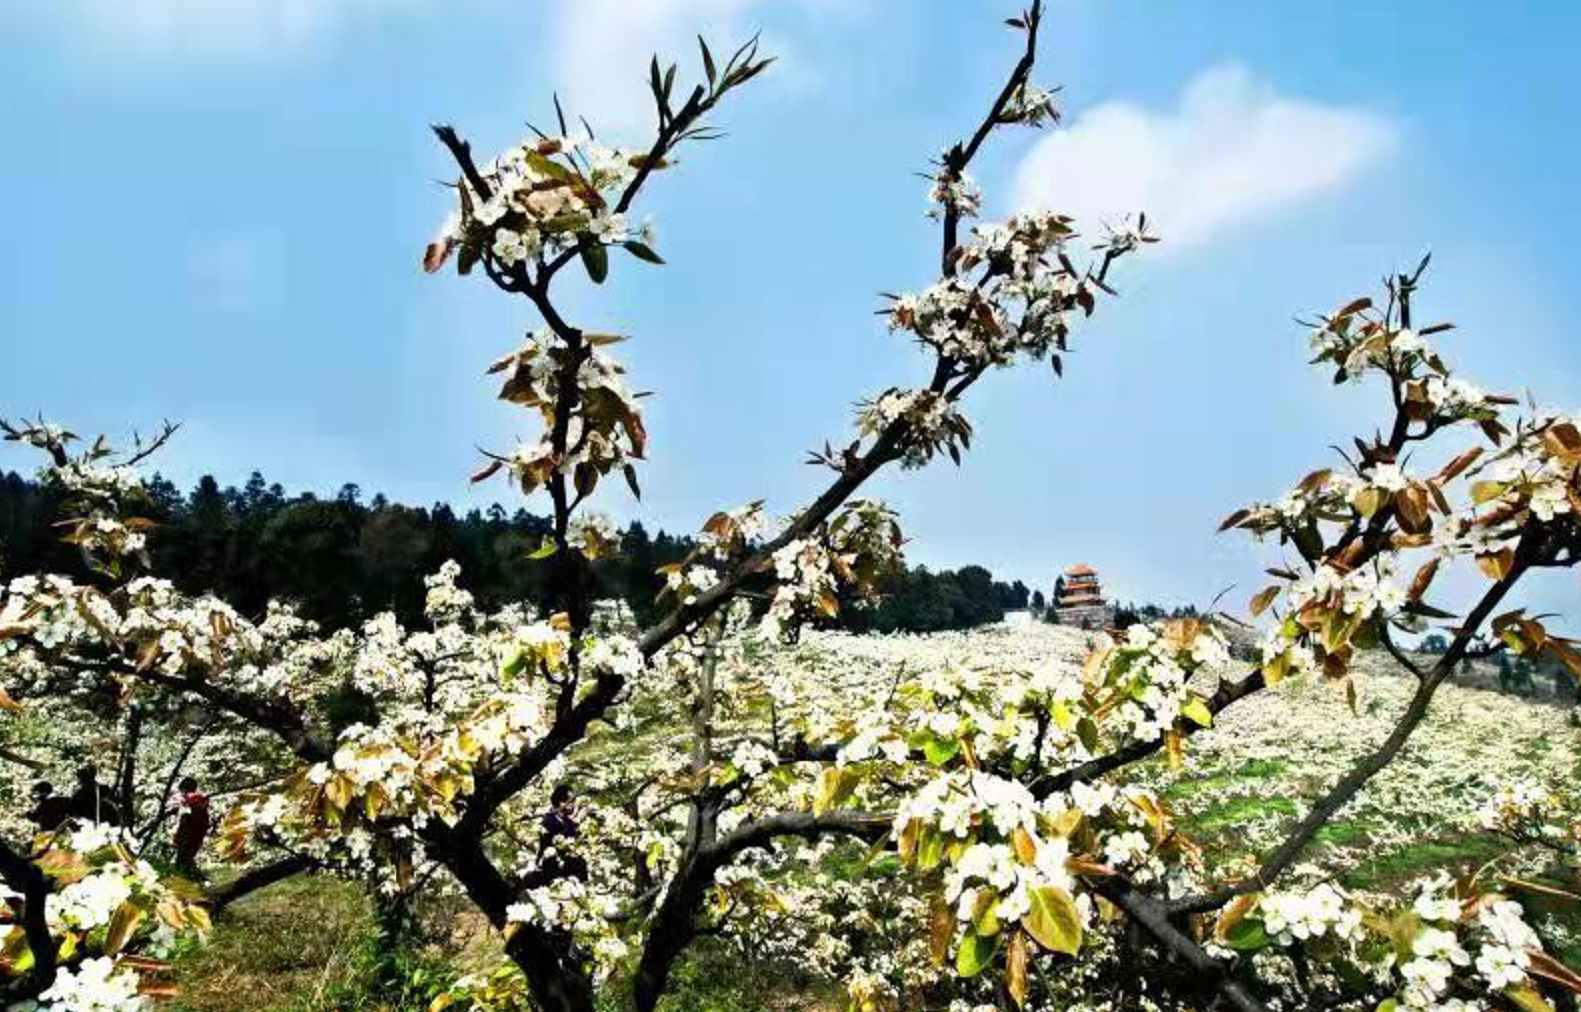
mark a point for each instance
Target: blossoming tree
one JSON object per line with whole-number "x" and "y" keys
{"x": 1015, "y": 848}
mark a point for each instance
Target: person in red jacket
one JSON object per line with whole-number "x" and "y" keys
{"x": 192, "y": 826}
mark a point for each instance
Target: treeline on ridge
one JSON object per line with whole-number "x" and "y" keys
{"x": 344, "y": 559}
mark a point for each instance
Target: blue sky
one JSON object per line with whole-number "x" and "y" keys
{"x": 216, "y": 208}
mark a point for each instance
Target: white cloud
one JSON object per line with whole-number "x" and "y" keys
{"x": 209, "y": 27}
{"x": 1233, "y": 152}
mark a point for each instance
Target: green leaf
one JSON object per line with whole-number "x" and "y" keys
{"x": 124, "y": 921}
{"x": 1309, "y": 541}
{"x": 596, "y": 259}
{"x": 835, "y": 785}
{"x": 1527, "y": 999}
{"x": 930, "y": 848}
{"x": 1087, "y": 731}
{"x": 1247, "y": 936}
{"x": 708, "y": 61}
{"x": 974, "y": 955}
{"x": 1061, "y": 713}
{"x": 467, "y": 258}
{"x": 514, "y": 665}
{"x": 1198, "y": 711}
{"x": 986, "y": 920}
{"x": 1486, "y": 491}
{"x": 573, "y": 222}
{"x": 18, "y": 958}
{"x": 941, "y": 750}
{"x": 1054, "y": 920}
{"x": 642, "y": 251}
{"x": 545, "y": 549}
{"x": 548, "y": 166}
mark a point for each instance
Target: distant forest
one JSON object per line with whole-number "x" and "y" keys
{"x": 345, "y": 559}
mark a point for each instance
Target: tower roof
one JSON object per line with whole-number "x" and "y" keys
{"x": 1081, "y": 569}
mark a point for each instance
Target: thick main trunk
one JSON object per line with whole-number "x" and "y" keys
{"x": 126, "y": 779}
{"x": 557, "y": 981}
{"x": 556, "y": 977}
{"x": 672, "y": 931}
{"x": 259, "y": 878}
{"x": 19, "y": 873}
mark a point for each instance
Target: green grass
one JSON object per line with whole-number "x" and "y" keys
{"x": 285, "y": 947}
{"x": 1258, "y": 769}
{"x": 714, "y": 978}
{"x": 1346, "y": 832}
{"x": 309, "y": 944}
{"x": 1454, "y": 853}
{"x": 1232, "y": 814}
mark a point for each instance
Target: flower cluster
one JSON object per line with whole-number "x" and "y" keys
{"x": 1536, "y": 477}
{"x": 1358, "y": 339}
{"x": 686, "y": 582}
{"x": 80, "y": 639}
{"x": 729, "y": 533}
{"x": 976, "y": 323}
{"x": 96, "y": 985}
{"x": 102, "y": 496}
{"x": 594, "y": 535}
{"x": 543, "y": 196}
{"x": 932, "y": 423}
{"x": 1482, "y": 943}
{"x": 804, "y": 570}
{"x": 1011, "y": 291}
{"x": 1427, "y": 950}
{"x": 1142, "y": 682}
{"x": 1005, "y": 856}
{"x": 445, "y": 601}
{"x": 570, "y": 905}
{"x": 1530, "y": 813}
{"x": 1014, "y": 866}
{"x": 850, "y": 553}
{"x": 1352, "y": 527}
{"x": 955, "y": 190}
{"x": 604, "y": 430}
{"x": 1291, "y": 917}
{"x": 102, "y": 901}
{"x": 1032, "y": 106}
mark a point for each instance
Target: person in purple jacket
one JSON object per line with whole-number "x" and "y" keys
{"x": 559, "y": 827}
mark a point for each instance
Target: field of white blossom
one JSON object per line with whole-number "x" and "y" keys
{"x": 1254, "y": 772}
{"x": 1243, "y": 783}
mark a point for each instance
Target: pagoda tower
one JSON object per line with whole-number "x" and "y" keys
{"x": 1079, "y": 599}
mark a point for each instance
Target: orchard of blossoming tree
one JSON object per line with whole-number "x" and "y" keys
{"x": 930, "y": 830}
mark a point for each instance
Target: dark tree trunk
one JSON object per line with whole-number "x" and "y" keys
{"x": 258, "y": 878}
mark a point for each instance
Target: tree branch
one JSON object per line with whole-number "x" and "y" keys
{"x": 1227, "y": 694}
{"x": 22, "y": 875}
{"x": 674, "y": 924}
{"x": 1153, "y": 917}
{"x": 886, "y": 447}
{"x": 1400, "y": 656}
{"x": 256, "y": 879}
{"x": 275, "y": 716}
{"x": 461, "y": 151}
{"x": 1353, "y": 781}
{"x": 554, "y": 975}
